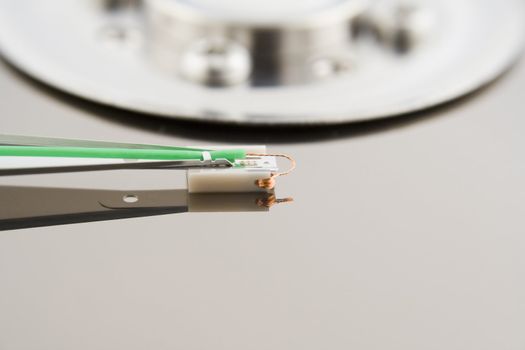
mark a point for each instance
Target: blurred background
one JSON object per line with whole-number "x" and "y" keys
{"x": 405, "y": 119}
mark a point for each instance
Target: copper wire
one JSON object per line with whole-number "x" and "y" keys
{"x": 269, "y": 183}
{"x": 271, "y": 200}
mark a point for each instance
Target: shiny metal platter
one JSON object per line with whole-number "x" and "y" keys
{"x": 328, "y": 62}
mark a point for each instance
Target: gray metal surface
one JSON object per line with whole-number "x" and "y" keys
{"x": 403, "y": 235}
{"x": 77, "y": 47}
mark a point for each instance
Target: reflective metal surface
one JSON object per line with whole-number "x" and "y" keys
{"x": 404, "y": 234}
{"x": 328, "y": 62}
{"x": 27, "y": 207}
{"x": 227, "y": 44}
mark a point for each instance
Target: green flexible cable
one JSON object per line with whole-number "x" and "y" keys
{"x": 119, "y": 153}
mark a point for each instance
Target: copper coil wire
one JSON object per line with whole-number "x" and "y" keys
{"x": 271, "y": 200}
{"x": 269, "y": 183}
